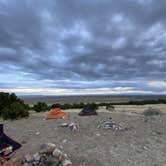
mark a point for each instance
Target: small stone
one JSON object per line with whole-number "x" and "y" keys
{"x": 28, "y": 158}
{"x": 98, "y": 134}
{"x": 57, "y": 153}
{"x": 61, "y": 147}
{"x": 43, "y": 146}
{"x": 145, "y": 120}
{"x": 36, "y": 157}
{"x": 23, "y": 142}
{"x": 36, "y": 163}
{"x": 37, "y": 133}
{"x": 51, "y": 160}
{"x": 64, "y": 141}
{"x": 64, "y": 125}
{"x": 51, "y": 145}
{"x": 145, "y": 148}
{"x": 47, "y": 148}
{"x": 25, "y": 164}
{"x": 66, "y": 162}
{"x": 65, "y": 155}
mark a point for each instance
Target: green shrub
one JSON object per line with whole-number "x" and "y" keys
{"x": 75, "y": 105}
{"x": 142, "y": 102}
{"x": 55, "y": 106}
{"x": 91, "y": 106}
{"x": 16, "y": 111}
{"x": 81, "y": 105}
{"x": 66, "y": 106}
{"x": 151, "y": 112}
{"x": 11, "y": 107}
{"x": 40, "y": 107}
{"x": 109, "y": 107}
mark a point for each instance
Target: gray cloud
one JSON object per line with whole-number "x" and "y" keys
{"x": 111, "y": 41}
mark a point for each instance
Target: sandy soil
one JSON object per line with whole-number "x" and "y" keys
{"x": 143, "y": 144}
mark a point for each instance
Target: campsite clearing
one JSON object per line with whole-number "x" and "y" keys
{"x": 143, "y": 143}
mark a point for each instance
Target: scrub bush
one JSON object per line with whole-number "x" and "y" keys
{"x": 151, "y": 112}
{"x": 11, "y": 107}
{"x": 40, "y": 107}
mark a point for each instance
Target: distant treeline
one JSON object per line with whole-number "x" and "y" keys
{"x": 142, "y": 102}
{"x": 41, "y": 106}
{"x": 12, "y": 107}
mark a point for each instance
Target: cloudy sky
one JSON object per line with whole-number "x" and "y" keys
{"x": 83, "y": 46}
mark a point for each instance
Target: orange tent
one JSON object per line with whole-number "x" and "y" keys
{"x": 56, "y": 113}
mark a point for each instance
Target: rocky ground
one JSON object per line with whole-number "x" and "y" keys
{"x": 142, "y": 143}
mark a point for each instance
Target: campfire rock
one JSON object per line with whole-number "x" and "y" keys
{"x": 47, "y": 148}
{"x": 28, "y": 158}
{"x": 109, "y": 124}
{"x": 49, "y": 155}
{"x": 66, "y": 162}
{"x": 72, "y": 126}
{"x": 57, "y": 153}
{"x": 36, "y": 157}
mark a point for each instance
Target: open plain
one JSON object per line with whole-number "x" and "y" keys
{"x": 142, "y": 143}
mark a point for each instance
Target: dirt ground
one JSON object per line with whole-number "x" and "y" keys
{"x": 142, "y": 144}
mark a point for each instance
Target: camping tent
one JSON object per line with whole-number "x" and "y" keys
{"x": 56, "y": 113}
{"x": 6, "y": 143}
{"x": 88, "y": 112}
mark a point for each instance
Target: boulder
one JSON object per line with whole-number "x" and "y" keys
{"x": 48, "y": 155}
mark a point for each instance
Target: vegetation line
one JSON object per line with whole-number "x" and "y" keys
{"x": 11, "y": 107}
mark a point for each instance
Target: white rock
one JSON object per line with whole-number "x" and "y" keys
{"x": 51, "y": 145}
{"x": 65, "y": 155}
{"x": 61, "y": 147}
{"x": 28, "y": 158}
{"x": 145, "y": 148}
{"x": 36, "y": 157}
{"x": 66, "y": 162}
{"x": 47, "y": 148}
{"x": 98, "y": 134}
{"x": 64, "y": 141}
{"x": 37, "y": 133}
{"x": 57, "y": 153}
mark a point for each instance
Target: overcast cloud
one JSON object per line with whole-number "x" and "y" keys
{"x": 82, "y": 46}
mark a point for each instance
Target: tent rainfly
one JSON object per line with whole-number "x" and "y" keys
{"x": 88, "y": 112}
{"x": 56, "y": 113}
